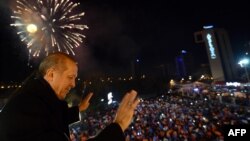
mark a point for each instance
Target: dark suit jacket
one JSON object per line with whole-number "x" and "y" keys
{"x": 35, "y": 113}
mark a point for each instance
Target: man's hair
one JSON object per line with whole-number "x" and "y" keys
{"x": 57, "y": 60}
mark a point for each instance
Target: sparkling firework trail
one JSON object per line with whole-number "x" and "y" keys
{"x": 49, "y": 25}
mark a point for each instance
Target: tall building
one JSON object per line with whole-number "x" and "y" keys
{"x": 219, "y": 51}
{"x": 180, "y": 67}
{"x": 184, "y": 64}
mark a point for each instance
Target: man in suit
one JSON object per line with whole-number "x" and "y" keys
{"x": 37, "y": 111}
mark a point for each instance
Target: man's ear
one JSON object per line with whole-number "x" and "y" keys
{"x": 49, "y": 74}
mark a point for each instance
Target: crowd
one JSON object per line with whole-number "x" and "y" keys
{"x": 168, "y": 118}
{"x": 43, "y": 113}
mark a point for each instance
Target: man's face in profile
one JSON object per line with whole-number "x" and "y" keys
{"x": 64, "y": 80}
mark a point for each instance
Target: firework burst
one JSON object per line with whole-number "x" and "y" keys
{"x": 49, "y": 25}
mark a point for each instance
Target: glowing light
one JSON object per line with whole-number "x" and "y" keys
{"x": 208, "y": 27}
{"x": 211, "y": 46}
{"x": 56, "y": 25}
{"x": 235, "y": 84}
{"x": 110, "y": 98}
{"x": 243, "y": 62}
{"x": 190, "y": 77}
{"x": 183, "y": 51}
{"x": 31, "y": 28}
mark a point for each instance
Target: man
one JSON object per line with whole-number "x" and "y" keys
{"x": 37, "y": 111}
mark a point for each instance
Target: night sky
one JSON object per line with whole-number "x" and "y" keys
{"x": 120, "y": 31}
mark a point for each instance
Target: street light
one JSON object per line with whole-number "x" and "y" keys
{"x": 244, "y": 63}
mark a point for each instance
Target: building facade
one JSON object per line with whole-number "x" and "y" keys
{"x": 219, "y": 51}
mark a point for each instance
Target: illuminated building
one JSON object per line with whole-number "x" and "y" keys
{"x": 184, "y": 64}
{"x": 220, "y": 56}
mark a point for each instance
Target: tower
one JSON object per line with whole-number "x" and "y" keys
{"x": 219, "y": 51}
{"x": 184, "y": 64}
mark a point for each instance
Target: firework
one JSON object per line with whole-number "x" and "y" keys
{"x": 49, "y": 25}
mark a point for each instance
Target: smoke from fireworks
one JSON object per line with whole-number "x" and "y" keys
{"x": 49, "y": 25}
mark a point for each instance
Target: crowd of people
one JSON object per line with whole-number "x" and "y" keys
{"x": 38, "y": 111}
{"x": 168, "y": 118}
